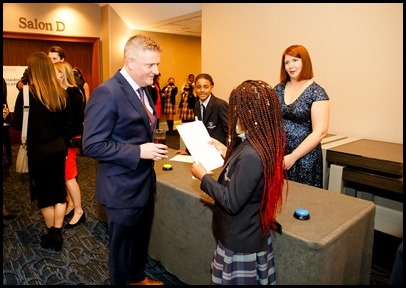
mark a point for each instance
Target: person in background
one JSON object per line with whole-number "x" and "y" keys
{"x": 55, "y": 53}
{"x": 187, "y": 104}
{"x": 81, "y": 83}
{"x": 7, "y": 152}
{"x": 155, "y": 92}
{"x": 248, "y": 193}
{"x": 85, "y": 89}
{"x": 169, "y": 93}
{"x": 64, "y": 74}
{"x": 305, "y": 110}
{"x": 215, "y": 109}
{"x": 47, "y": 138}
{"x": 119, "y": 132}
{"x": 190, "y": 81}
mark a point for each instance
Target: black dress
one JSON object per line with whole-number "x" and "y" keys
{"x": 47, "y": 138}
{"x": 297, "y": 121}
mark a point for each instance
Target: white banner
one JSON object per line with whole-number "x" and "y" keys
{"x": 12, "y": 74}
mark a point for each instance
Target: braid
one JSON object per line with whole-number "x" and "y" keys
{"x": 256, "y": 106}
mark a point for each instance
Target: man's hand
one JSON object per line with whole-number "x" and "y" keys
{"x": 154, "y": 151}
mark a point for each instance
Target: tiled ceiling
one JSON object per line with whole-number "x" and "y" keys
{"x": 172, "y": 18}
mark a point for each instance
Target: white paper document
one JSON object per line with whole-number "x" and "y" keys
{"x": 183, "y": 158}
{"x": 197, "y": 139}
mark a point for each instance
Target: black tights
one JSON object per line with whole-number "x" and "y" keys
{"x": 170, "y": 125}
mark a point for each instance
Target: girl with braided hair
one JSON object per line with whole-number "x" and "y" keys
{"x": 248, "y": 193}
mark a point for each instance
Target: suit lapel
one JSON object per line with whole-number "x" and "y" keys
{"x": 133, "y": 98}
{"x": 209, "y": 108}
{"x": 236, "y": 152}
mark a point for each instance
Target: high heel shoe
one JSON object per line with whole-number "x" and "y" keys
{"x": 82, "y": 219}
{"x": 69, "y": 215}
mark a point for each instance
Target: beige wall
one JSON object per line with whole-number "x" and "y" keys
{"x": 356, "y": 50}
{"x": 81, "y": 20}
{"x": 115, "y": 34}
{"x": 181, "y": 54}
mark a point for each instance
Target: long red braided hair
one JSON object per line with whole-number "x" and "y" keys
{"x": 256, "y": 106}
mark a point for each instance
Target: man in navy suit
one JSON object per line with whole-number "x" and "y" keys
{"x": 118, "y": 132}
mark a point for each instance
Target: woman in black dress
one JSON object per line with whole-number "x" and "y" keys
{"x": 47, "y": 138}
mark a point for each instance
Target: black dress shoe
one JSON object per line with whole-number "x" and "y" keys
{"x": 69, "y": 215}
{"x": 82, "y": 219}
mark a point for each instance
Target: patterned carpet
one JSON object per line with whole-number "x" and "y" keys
{"x": 83, "y": 259}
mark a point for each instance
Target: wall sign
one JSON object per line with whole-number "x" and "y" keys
{"x": 12, "y": 74}
{"x": 58, "y": 26}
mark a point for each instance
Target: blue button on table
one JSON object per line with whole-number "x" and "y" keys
{"x": 301, "y": 214}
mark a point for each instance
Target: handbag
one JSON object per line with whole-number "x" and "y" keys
{"x": 22, "y": 156}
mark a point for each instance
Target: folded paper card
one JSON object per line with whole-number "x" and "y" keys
{"x": 183, "y": 158}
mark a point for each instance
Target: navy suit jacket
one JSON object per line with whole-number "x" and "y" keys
{"x": 237, "y": 195}
{"x": 215, "y": 118}
{"x": 115, "y": 126}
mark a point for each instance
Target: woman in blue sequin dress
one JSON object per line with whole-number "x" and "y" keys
{"x": 305, "y": 109}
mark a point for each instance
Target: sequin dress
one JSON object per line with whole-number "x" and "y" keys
{"x": 297, "y": 122}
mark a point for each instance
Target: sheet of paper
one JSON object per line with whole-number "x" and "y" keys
{"x": 196, "y": 139}
{"x": 183, "y": 158}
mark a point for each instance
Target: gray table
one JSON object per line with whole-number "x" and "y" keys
{"x": 333, "y": 247}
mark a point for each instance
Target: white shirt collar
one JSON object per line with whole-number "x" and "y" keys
{"x": 127, "y": 77}
{"x": 206, "y": 101}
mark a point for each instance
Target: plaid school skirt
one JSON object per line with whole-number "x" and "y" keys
{"x": 169, "y": 108}
{"x": 232, "y": 268}
{"x": 186, "y": 113}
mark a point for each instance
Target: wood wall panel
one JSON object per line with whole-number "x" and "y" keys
{"x": 81, "y": 52}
